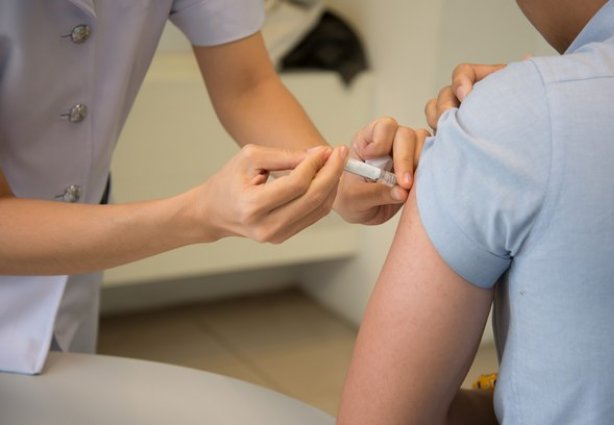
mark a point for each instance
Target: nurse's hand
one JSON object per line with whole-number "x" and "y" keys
{"x": 464, "y": 77}
{"x": 240, "y": 200}
{"x": 364, "y": 202}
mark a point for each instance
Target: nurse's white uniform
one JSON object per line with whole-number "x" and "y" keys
{"x": 69, "y": 73}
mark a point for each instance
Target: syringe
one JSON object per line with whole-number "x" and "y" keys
{"x": 370, "y": 172}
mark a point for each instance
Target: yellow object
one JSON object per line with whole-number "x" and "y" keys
{"x": 485, "y": 382}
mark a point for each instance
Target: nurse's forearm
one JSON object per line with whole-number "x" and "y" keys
{"x": 250, "y": 99}
{"x": 267, "y": 114}
{"x": 45, "y": 237}
{"x": 48, "y": 238}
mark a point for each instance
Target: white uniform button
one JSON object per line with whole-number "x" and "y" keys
{"x": 80, "y": 34}
{"x": 72, "y": 193}
{"x": 77, "y": 113}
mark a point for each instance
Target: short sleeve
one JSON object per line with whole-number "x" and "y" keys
{"x": 482, "y": 179}
{"x": 213, "y": 22}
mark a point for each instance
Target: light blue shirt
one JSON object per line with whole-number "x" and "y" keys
{"x": 517, "y": 188}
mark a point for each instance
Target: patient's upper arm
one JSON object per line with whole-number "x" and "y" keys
{"x": 419, "y": 334}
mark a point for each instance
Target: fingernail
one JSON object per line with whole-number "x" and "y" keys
{"x": 316, "y": 148}
{"x": 396, "y": 195}
{"x": 461, "y": 93}
{"x": 407, "y": 178}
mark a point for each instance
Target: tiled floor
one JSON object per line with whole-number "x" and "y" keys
{"x": 283, "y": 341}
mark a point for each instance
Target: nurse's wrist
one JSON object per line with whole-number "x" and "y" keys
{"x": 193, "y": 220}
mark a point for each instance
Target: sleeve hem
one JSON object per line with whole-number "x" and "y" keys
{"x": 476, "y": 265}
{"x": 211, "y": 26}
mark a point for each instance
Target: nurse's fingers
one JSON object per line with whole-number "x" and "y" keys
{"x": 376, "y": 194}
{"x": 365, "y": 195}
{"x": 314, "y": 203}
{"x": 323, "y": 186}
{"x": 262, "y": 159}
{"x": 430, "y": 112}
{"x": 288, "y": 187}
{"x": 404, "y": 153}
{"x": 376, "y": 139}
{"x": 446, "y": 99}
{"x": 300, "y": 222}
{"x": 421, "y": 136}
{"x": 466, "y": 75}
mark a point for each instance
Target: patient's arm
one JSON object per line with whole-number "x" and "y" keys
{"x": 418, "y": 338}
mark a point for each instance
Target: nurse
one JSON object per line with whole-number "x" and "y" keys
{"x": 69, "y": 73}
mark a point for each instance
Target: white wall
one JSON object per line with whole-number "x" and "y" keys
{"x": 413, "y": 46}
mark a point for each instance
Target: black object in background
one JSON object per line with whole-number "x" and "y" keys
{"x": 332, "y": 45}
